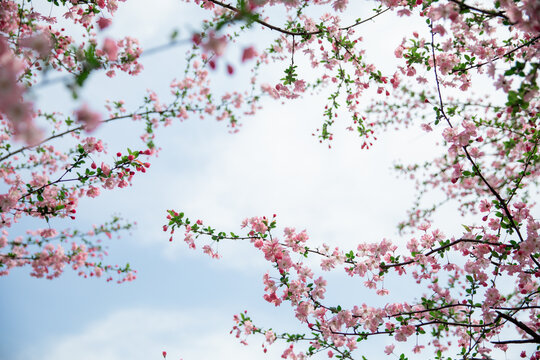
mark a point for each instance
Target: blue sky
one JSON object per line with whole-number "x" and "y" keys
{"x": 183, "y": 301}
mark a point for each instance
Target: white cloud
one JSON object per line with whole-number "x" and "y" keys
{"x": 143, "y": 333}
{"x": 194, "y": 334}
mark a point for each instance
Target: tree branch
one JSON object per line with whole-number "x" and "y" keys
{"x": 441, "y": 248}
{"x": 522, "y": 326}
{"x": 490, "y": 13}
{"x": 524, "y": 341}
{"x": 288, "y": 32}
{"x": 532, "y": 41}
{"x": 477, "y": 171}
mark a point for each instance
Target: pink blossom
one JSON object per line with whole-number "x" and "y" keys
{"x": 41, "y": 43}
{"x": 484, "y": 205}
{"x": 404, "y": 12}
{"x": 340, "y": 5}
{"x": 382, "y": 292}
{"x": 93, "y": 192}
{"x": 248, "y": 53}
{"x": 104, "y": 23}
{"x": 270, "y": 336}
{"x": 111, "y": 49}
{"x": 89, "y": 119}
{"x": 215, "y": 44}
{"x": 248, "y": 327}
{"x": 105, "y": 169}
{"x": 48, "y": 233}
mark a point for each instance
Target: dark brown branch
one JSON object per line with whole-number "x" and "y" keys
{"x": 494, "y": 193}
{"x": 490, "y": 13}
{"x": 441, "y": 248}
{"x": 522, "y": 326}
{"x": 62, "y": 180}
{"x": 476, "y": 169}
{"x": 465, "y": 306}
{"x": 533, "y": 40}
{"x": 516, "y": 308}
{"x": 288, "y": 32}
{"x": 527, "y": 163}
{"x": 524, "y": 341}
{"x": 433, "y": 309}
{"x": 419, "y": 325}
{"x": 437, "y": 76}
{"x": 534, "y": 260}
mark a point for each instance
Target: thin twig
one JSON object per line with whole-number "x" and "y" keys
{"x": 476, "y": 169}
{"x": 532, "y": 41}
{"x": 491, "y": 13}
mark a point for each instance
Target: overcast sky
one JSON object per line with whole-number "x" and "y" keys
{"x": 183, "y": 301}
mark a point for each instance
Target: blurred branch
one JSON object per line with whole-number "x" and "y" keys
{"x": 151, "y": 51}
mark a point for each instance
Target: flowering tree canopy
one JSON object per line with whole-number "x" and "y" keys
{"x": 478, "y": 286}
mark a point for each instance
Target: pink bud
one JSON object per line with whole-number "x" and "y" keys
{"x": 196, "y": 38}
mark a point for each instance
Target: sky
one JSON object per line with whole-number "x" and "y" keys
{"x": 182, "y": 301}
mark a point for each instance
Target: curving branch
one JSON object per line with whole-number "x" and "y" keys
{"x": 530, "y": 42}
{"x": 114, "y": 118}
{"x": 78, "y": 128}
{"x": 431, "y": 252}
{"x": 491, "y": 13}
{"x": 151, "y": 51}
{"x": 522, "y": 326}
{"x": 288, "y": 32}
{"x": 476, "y": 169}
